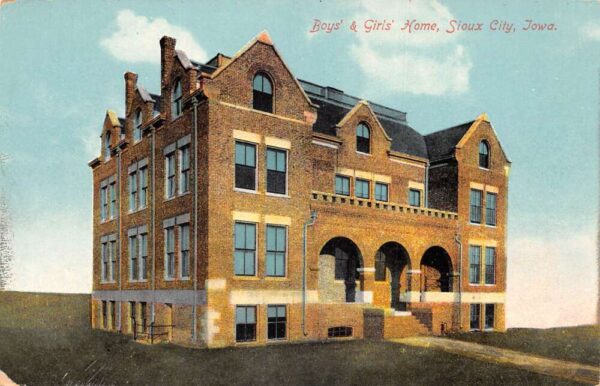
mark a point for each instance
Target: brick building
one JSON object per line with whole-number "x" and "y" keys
{"x": 244, "y": 205}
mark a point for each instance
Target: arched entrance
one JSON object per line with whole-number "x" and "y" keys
{"x": 391, "y": 263}
{"x": 436, "y": 269}
{"x": 345, "y": 261}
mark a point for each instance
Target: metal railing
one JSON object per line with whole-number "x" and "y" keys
{"x": 151, "y": 331}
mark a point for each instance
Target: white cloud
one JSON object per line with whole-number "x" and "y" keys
{"x": 137, "y": 39}
{"x": 421, "y": 62}
{"x": 90, "y": 140}
{"x": 591, "y": 30}
{"x": 552, "y": 281}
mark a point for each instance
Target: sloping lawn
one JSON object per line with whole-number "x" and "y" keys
{"x": 576, "y": 344}
{"x": 45, "y": 339}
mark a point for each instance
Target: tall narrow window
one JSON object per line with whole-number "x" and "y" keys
{"x": 245, "y": 165}
{"x": 107, "y": 145}
{"x": 184, "y": 250}
{"x": 170, "y": 175}
{"x": 361, "y": 188}
{"x": 262, "y": 93}
{"x": 484, "y": 154}
{"x": 245, "y": 323}
{"x": 143, "y": 248}
{"x": 113, "y": 260}
{"x": 476, "y": 206}
{"x": 133, "y": 258}
{"x": 133, "y": 191}
{"x": 137, "y": 126}
{"x": 363, "y": 138}
{"x": 143, "y": 195}
{"x": 414, "y": 197}
{"x": 104, "y": 315}
{"x": 105, "y": 258}
{"x": 380, "y": 274}
{"x": 276, "y": 171}
{"x": 245, "y": 248}
{"x": 342, "y": 185}
{"x": 381, "y": 191}
{"x": 103, "y": 203}
{"x": 176, "y": 100}
{"x": 143, "y": 316}
{"x": 132, "y": 321}
{"x": 475, "y": 317}
{"x": 276, "y": 320}
{"x": 276, "y": 250}
{"x": 113, "y": 316}
{"x": 489, "y": 317}
{"x": 170, "y": 252}
{"x": 113, "y": 200}
{"x": 490, "y": 209}
{"x": 474, "y": 264}
{"x": 184, "y": 169}
{"x": 490, "y": 265}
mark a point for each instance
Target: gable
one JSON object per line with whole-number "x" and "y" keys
{"x": 482, "y": 129}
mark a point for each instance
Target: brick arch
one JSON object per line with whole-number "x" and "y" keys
{"x": 436, "y": 270}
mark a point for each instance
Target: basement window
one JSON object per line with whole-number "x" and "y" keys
{"x": 339, "y": 332}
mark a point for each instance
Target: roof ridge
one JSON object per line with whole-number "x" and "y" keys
{"x": 450, "y": 128}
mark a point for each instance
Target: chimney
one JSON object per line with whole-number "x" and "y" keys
{"x": 167, "y": 55}
{"x": 130, "y": 85}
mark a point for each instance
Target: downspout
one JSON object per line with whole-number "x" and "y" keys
{"x": 194, "y": 306}
{"x": 460, "y": 258}
{"x": 309, "y": 222}
{"x": 153, "y": 222}
{"x": 119, "y": 234}
{"x": 426, "y": 193}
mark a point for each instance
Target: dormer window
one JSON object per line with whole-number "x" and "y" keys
{"x": 137, "y": 126}
{"x": 176, "y": 100}
{"x": 484, "y": 154}
{"x": 262, "y": 93}
{"x": 363, "y": 139}
{"x": 107, "y": 145}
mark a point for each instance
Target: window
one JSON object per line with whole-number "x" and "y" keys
{"x": 363, "y": 143}
{"x": 137, "y": 126}
{"x": 490, "y": 209}
{"x": 113, "y": 317}
{"x": 131, "y": 316}
{"x": 184, "y": 169}
{"x": 475, "y": 316}
{"x": 339, "y": 332}
{"x": 381, "y": 191}
{"x": 143, "y": 195}
{"x": 103, "y": 203}
{"x": 342, "y": 185}
{"x": 489, "y": 316}
{"x": 490, "y": 265}
{"x": 176, "y": 100}
{"x": 170, "y": 175}
{"x": 143, "y": 249}
{"x": 104, "y": 315}
{"x": 414, "y": 197}
{"x": 245, "y": 248}
{"x": 245, "y": 323}
{"x": 276, "y": 320}
{"x": 184, "y": 250}
{"x": 113, "y": 200}
{"x": 107, "y": 145}
{"x": 245, "y": 165}
{"x": 361, "y": 188}
{"x": 170, "y": 252}
{"x": 484, "y": 155}
{"x": 133, "y": 258}
{"x": 113, "y": 260}
{"x": 380, "y": 266}
{"x": 143, "y": 316}
{"x": 276, "y": 250}
{"x": 262, "y": 93}
{"x": 276, "y": 171}
{"x": 476, "y": 206}
{"x": 474, "y": 264}
{"x": 133, "y": 191}
{"x": 105, "y": 259}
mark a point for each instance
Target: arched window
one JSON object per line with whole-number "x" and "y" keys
{"x": 137, "y": 126}
{"x": 262, "y": 93}
{"x": 363, "y": 135}
{"x": 176, "y": 100}
{"x": 484, "y": 154}
{"x": 107, "y": 145}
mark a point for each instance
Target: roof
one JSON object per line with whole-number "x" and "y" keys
{"x": 441, "y": 144}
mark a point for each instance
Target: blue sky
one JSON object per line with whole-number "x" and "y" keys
{"x": 63, "y": 62}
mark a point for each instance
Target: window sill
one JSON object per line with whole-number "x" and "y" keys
{"x": 489, "y": 285}
{"x": 187, "y": 278}
{"x": 361, "y": 153}
{"x": 277, "y": 278}
{"x": 187, "y": 192}
{"x": 169, "y": 278}
{"x": 250, "y": 278}
{"x": 475, "y": 223}
{"x": 491, "y": 226}
{"x": 138, "y": 281}
{"x": 166, "y": 199}
{"x": 277, "y": 340}
{"x": 240, "y": 190}
{"x": 482, "y": 168}
{"x": 277, "y": 195}
{"x": 137, "y": 210}
{"x": 475, "y": 285}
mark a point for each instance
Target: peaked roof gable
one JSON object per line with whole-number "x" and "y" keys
{"x": 357, "y": 107}
{"x": 481, "y": 118}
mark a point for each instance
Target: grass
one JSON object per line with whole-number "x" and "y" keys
{"x": 46, "y": 339}
{"x": 575, "y": 344}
